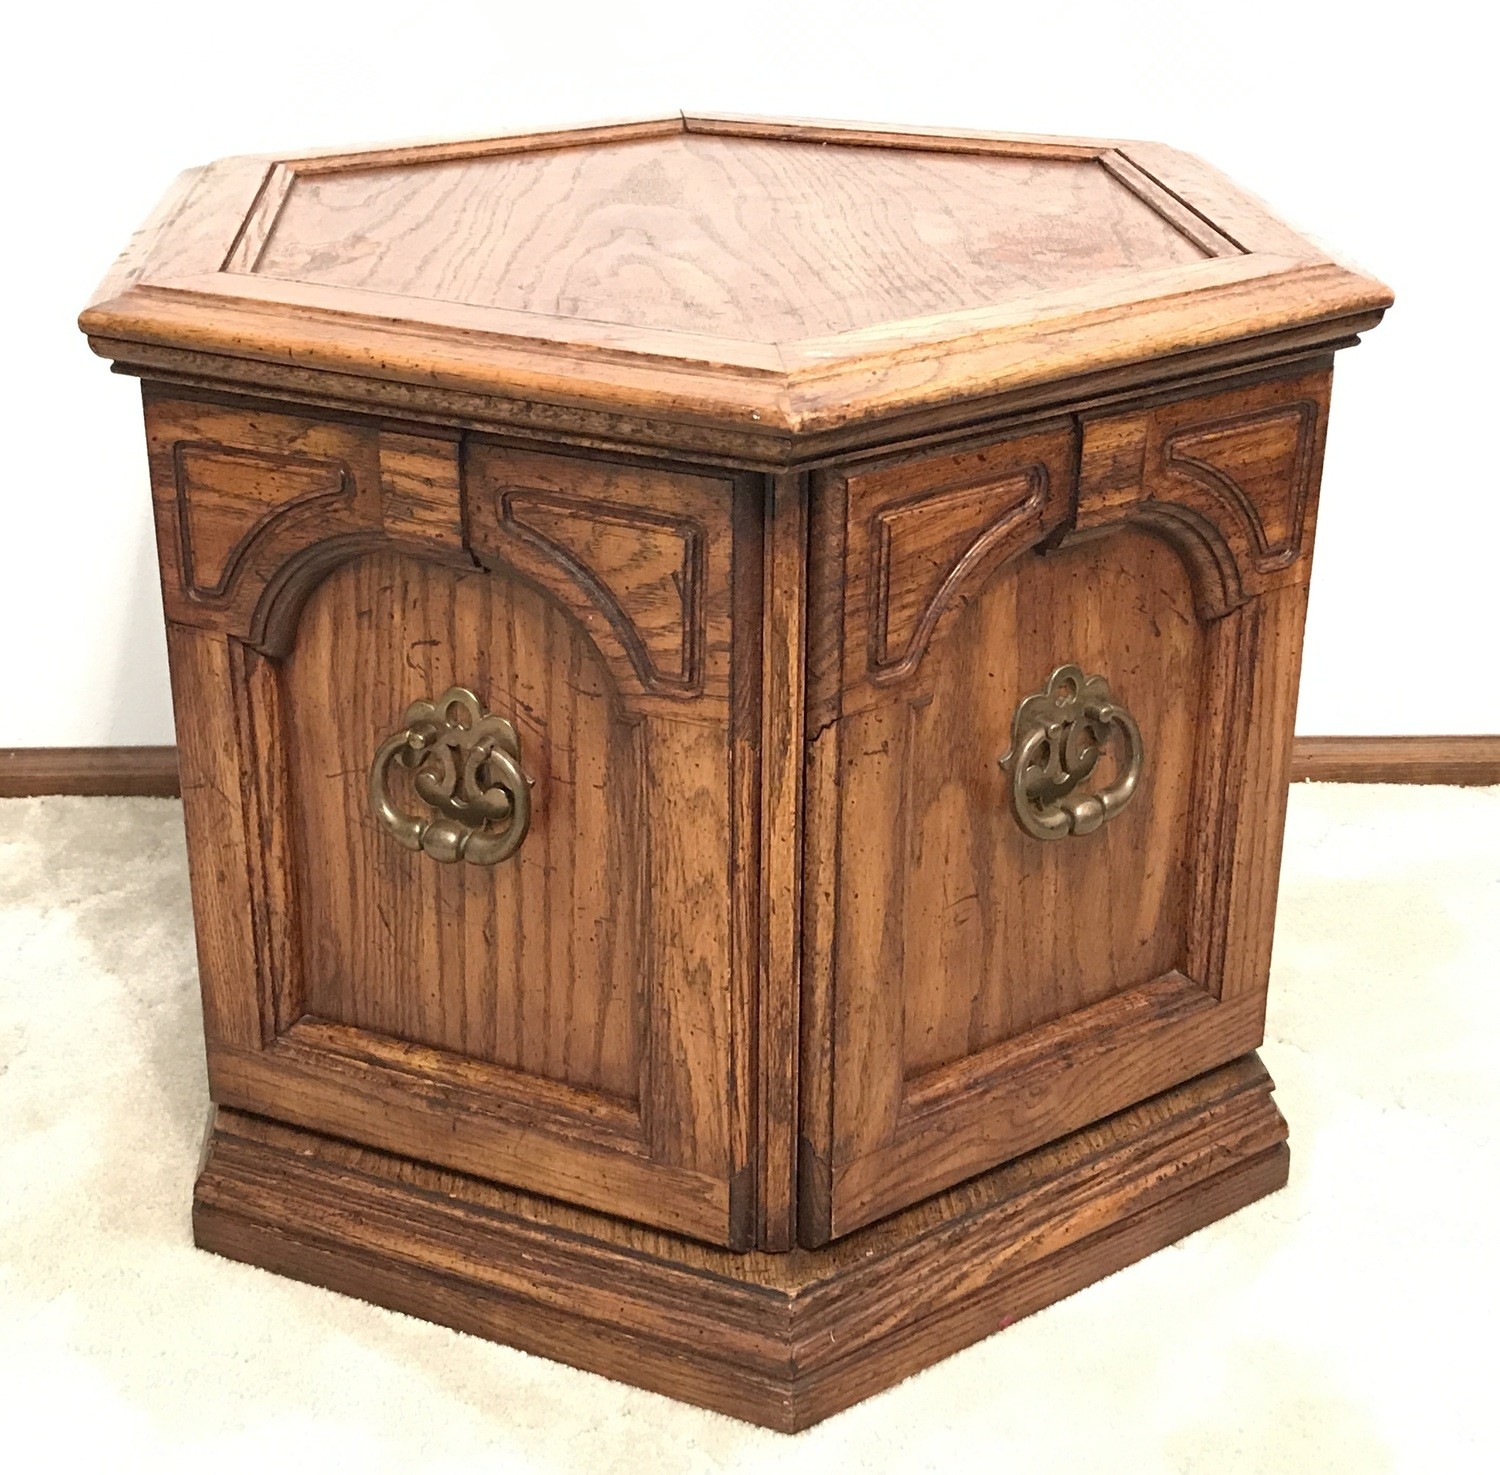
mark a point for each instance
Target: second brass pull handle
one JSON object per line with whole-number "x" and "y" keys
{"x": 1057, "y": 738}
{"x": 467, "y": 767}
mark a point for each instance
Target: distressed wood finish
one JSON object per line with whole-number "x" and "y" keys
{"x": 754, "y": 473}
{"x": 982, "y": 991}
{"x": 574, "y": 1017}
{"x": 537, "y": 966}
{"x": 818, "y": 279}
{"x": 780, "y": 1339}
{"x": 651, "y": 247}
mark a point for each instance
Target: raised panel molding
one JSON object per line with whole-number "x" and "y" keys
{"x": 917, "y": 576}
{"x": 1260, "y": 465}
{"x": 643, "y": 572}
{"x": 640, "y": 556}
{"x": 254, "y": 508}
{"x": 1230, "y": 480}
{"x": 924, "y": 534}
{"x": 424, "y": 629}
{"x": 551, "y": 1118}
{"x": 227, "y": 497}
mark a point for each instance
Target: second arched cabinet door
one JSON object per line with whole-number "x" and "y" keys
{"x": 526, "y": 966}
{"x": 1050, "y": 710}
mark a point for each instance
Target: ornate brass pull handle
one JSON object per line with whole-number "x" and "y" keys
{"x": 1056, "y": 740}
{"x": 467, "y": 766}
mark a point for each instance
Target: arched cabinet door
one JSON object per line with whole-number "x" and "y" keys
{"x": 1051, "y": 701}
{"x": 390, "y": 953}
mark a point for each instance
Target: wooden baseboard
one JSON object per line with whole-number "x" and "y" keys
{"x": 1398, "y": 760}
{"x": 147, "y": 772}
{"x": 1472, "y": 760}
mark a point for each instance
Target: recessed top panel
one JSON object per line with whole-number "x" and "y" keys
{"x": 737, "y": 238}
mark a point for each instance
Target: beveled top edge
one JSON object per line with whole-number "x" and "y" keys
{"x": 170, "y": 291}
{"x": 377, "y": 155}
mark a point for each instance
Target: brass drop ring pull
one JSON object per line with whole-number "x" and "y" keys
{"x": 467, "y": 766}
{"x": 1056, "y": 739}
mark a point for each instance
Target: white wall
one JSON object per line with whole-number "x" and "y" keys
{"x": 1367, "y": 129}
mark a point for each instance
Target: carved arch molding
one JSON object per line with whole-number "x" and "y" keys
{"x": 255, "y": 509}
{"x": 1229, "y": 480}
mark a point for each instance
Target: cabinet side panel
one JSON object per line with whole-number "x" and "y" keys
{"x": 780, "y": 737}
{"x": 219, "y": 860}
{"x": 1255, "y": 864}
{"x": 824, "y": 646}
{"x": 685, "y": 840}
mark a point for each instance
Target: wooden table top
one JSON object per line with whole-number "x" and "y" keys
{"x": 776, "y": 279}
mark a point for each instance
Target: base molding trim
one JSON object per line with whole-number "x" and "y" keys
{"x": 1469, "y": 760}
{"x": 778, "y": 1340}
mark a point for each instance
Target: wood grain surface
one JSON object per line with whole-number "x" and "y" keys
{"x": 538, "y": 965}
{"x": 977, "y": 967}
{"x": 737, "y": 238}
{"x": 699, "y": 283}
{"x": 940, "y": 1030}
{"x": 756, "y": 472}
{"x": 777, "y": 1339}
{"x": 979, "y": 991}
{"x": 582, "y": 1019}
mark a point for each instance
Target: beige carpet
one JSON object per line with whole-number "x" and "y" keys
{"x": 1346, "y": 1324}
